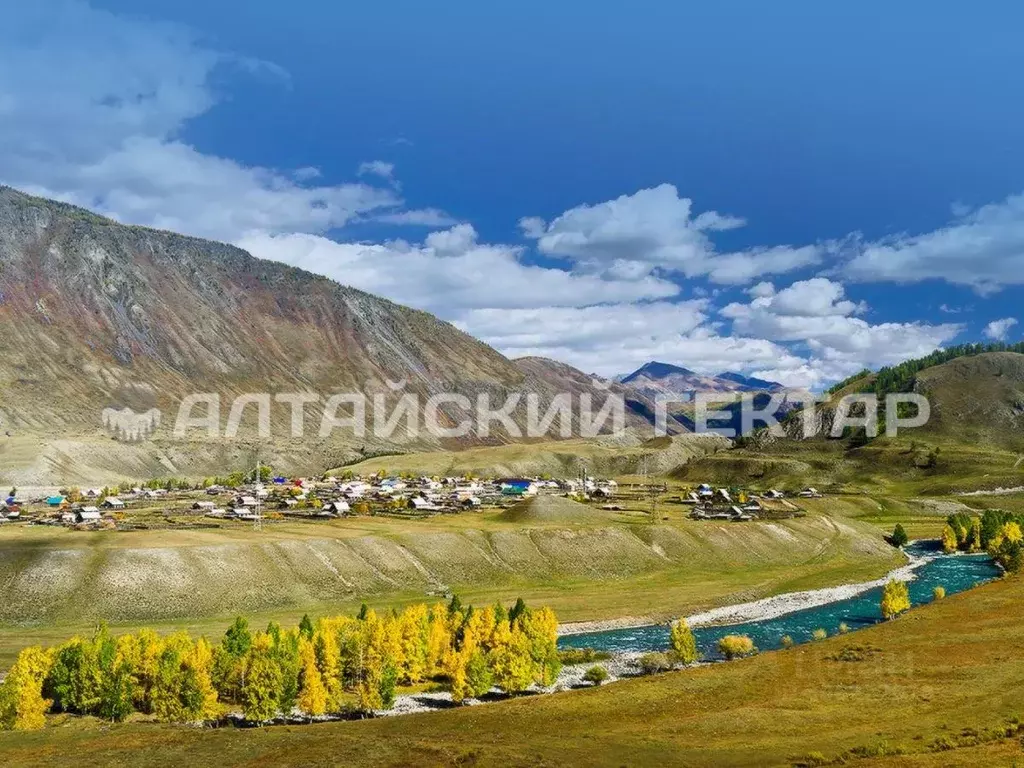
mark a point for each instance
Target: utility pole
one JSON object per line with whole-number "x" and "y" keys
{"x": 648, "y": 488}
{"x": 257, "y": 524}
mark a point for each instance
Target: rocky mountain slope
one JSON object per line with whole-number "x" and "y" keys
{"x": 654, "y": 379}
{"x": 97, "y": 317}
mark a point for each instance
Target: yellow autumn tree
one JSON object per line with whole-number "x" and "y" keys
{"x": 454, "y": 668}
{"x": 413, "y": 631}
{"x": 312, "y": 691}
{"x": 949, "y": 540}
{"x": 895, "y": 599}
{"x": 540, "y": 627}
{"x": 328, "y": 661}
{"x": 511, "y": 660}
{"x": 439, "y": 640}
{"x": 1012, "y": 533}
{"x": 375, "y": 687}
{"x": 684, "y": 645}
{"x": 198, "y": 669}
{"x": 22, "y": 706}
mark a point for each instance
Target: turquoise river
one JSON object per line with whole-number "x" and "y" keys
{"x": 955, "y": 573}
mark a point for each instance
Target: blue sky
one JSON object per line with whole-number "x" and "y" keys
{"x": 792, "y": 189}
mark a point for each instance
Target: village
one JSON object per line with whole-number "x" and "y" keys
{"x": 270, "y": 498}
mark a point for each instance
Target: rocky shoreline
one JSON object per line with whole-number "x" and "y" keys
{"x": 758, "y": 610}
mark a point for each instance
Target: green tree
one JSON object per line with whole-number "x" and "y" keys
{"x": 479, "y": 677}
{"x": 261, "y": 696}
{"x": 306, "y": 627}
{"x": 899, "y": 536}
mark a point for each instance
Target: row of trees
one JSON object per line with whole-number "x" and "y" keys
{"x": 997, "y": 532}
{"x": 333, "y": 665}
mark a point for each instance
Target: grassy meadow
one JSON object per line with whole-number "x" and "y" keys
{"x": 935, "y": 685}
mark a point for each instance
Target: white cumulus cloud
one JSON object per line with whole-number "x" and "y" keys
{"x": 656, "y": 228}
{"x": 983, "y": 249}
{"x": 998, "y": 330}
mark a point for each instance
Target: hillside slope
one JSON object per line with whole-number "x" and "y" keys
{"x": 44, "y": 573}
{"x": 97, "y": 315}
{"x": 973, "y": 440}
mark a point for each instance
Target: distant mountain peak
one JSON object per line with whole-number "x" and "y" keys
{"x": 656, "y": 370}
{"x": 750, "y": 382}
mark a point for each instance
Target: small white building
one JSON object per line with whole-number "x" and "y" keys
{"x": 112, "y": 502}
{"x": 88, "y": 515}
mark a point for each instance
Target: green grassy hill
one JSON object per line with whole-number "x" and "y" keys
{"x": 973, "y": 441}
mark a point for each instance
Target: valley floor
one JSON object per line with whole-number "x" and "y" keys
{"x": 942, "y": 685}
{"x": 55, "y": 582}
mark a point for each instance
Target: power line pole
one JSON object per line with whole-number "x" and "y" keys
{"x": 257, "y": 487}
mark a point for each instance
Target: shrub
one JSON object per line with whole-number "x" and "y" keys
{"x": 736, "y": 646}
{"x": 787, "y": 642}
{"x": 651, "y": 663}
{"x": 844, "y": 628}
{"x": 939, "y": 593}
{"x": 819, "y": 634}
{"x": 596, "y": 675}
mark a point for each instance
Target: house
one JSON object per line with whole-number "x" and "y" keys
{"x": 214, "y": 490}
{"x": 724, "y": 494}
{"x": 470, "y": 502}
{"x": 69, "y": 518}
{"x": 337, "y": 507}
{"x": 88, "y": 515}
{"x": 773, "y": 494}
{"x": 289, "y": 504}
{"x": 420, "y": 504}
{"x": 204, "y": 506}
{"x": 705, "y": 491}
{"x": 55, "y": 501}
{"x": 515, "y": 486}
{"x": 112, "y": 502}
{"x": 245, "y": 501}
{"x": 93, "y": 493}
{"x": 810, "y": 493}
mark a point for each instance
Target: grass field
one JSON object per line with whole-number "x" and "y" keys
{"x": 944, "y": 677}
